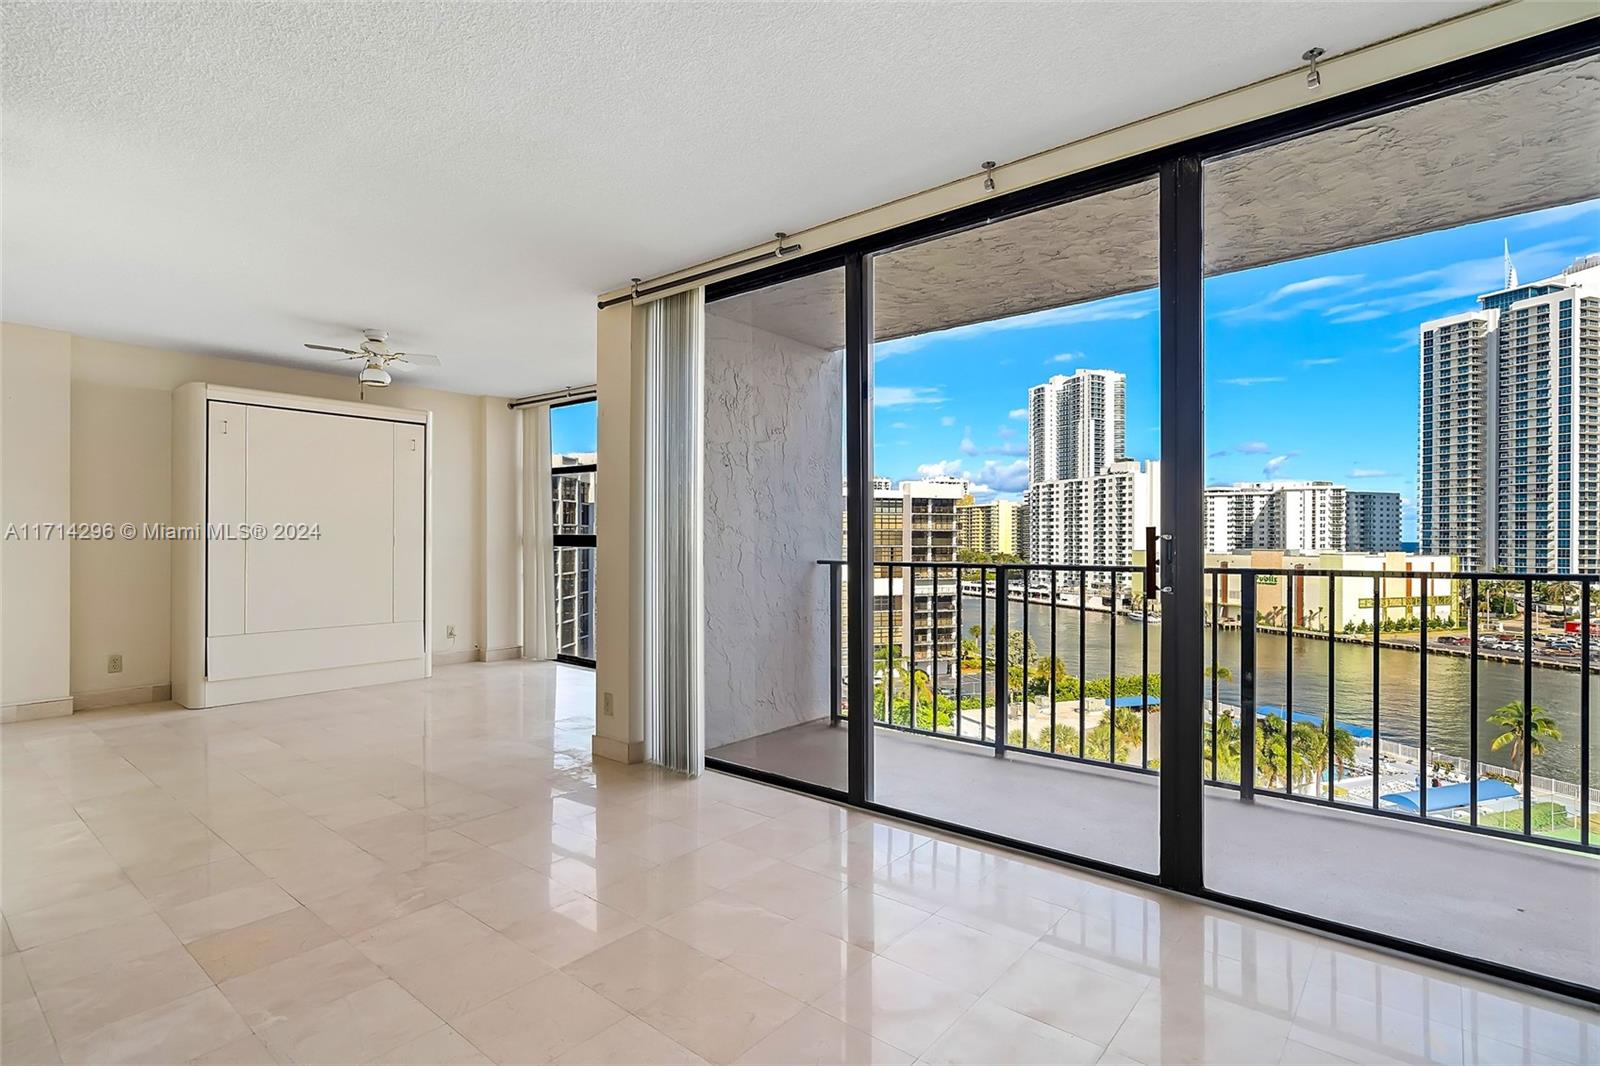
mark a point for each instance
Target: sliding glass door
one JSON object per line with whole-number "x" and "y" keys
{"x": 1017, "y": 457}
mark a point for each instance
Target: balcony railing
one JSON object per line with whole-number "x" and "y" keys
{"x": 1370, "y": 738}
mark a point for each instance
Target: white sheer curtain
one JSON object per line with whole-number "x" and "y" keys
{"x": 539, "y": 639}
{"x": 674, "y": 623}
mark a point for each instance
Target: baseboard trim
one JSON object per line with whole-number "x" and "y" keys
{"x": 28, "y": 712}
{"x": 623, "y": 751}
{"x": 121, "y": 697}
{"x": 451, "y": 658}
{"x": 495, "y": 655}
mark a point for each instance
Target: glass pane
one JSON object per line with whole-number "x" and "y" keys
{"x": 575, "y": 598}
{"x": 1016, "y": 443}
{"x": 774, "y": 537}
{"x": 573, "y": 428}
{"x": 1403, "y": 417}
{"x": 573, "y": 498}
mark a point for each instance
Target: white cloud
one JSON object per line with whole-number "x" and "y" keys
{"x": 1276, "y": 463}
{"x": 968, "y": 447}
{"x": 1327, "y": 361}
{"x": 906, "y": 395}
{"x": 1254, "y": 447}
{"x": 1454, "y": 281}
{"x": 943, "y": 468}
{"x": 1556, "y": 215}
{"x": 1017, "y": 412}
{"x": 947, "y": 421}
{"x": 1247, "y": 381}
{"x": 899, "y": 425}
{"x": 1276, "y": 305}
{"x": 1065, "y": 357}
{"x": 1364, "y": 472}
{"x": 991, "y": 479}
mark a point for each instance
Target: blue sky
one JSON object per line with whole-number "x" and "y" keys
{"x": 1311, "y": 365}
{"x": 572, "y": 428}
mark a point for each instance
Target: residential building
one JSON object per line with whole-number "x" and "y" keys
{"x": 1508, "y": 474}
{"x": 1371, "y": 521}
{"x": 994, "y": 528}
{"x": 1094, "y": 520}
{"x": 915, "y": 609}
{"x": 1076, "y": 424}
{"x": 1284, "y": 515}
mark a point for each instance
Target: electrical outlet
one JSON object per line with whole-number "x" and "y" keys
{"x": 450, "y": 632}
{"x": 113, "y": 664}
{"x": 606, "y": 706}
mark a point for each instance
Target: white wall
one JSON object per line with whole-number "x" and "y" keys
{"x": 35, "y": 462}
{"x": 121, "y": 452}
{"x": 774, "y": 417}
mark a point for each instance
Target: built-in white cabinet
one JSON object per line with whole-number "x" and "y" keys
{"x": 300, "y": 550}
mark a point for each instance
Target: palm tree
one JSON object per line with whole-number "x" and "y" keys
{"x": 1560, "y": 593}
{"x": 1511, "y": 719}
{"x": 1097, "y": 741}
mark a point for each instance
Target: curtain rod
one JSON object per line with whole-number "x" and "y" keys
{"x": 781, "y": 250}
{"x": 571, "y": 392}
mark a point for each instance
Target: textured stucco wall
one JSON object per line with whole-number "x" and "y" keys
{"x": 773, "y": 425}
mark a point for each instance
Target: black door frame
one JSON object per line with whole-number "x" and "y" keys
{"x": 1180, "y": 168}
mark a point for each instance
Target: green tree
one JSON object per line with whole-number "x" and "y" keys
{"x": 1130, "y": 731}
{"x": 1510, "y": 719}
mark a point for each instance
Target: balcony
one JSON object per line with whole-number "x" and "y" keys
{"x": 1488, "y": 853}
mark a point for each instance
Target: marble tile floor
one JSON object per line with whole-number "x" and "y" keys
{"x": 436, "y": 872}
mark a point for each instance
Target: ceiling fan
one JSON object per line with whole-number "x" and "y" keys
{"x": 377, "y": 356}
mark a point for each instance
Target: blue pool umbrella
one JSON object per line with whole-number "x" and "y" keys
{"x": 1360, "y": 732}
{"x": 1451, "y": 797}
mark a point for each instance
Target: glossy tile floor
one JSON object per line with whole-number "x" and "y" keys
{"x": 436, "y": 872}
{"x": 1533, "y": 908}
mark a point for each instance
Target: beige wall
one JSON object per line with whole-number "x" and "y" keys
{"x": 35, "y": 463}
{"x": 500, "y": 557}
{"x": 619, "y": 534}
{"x": 121, "y": 448}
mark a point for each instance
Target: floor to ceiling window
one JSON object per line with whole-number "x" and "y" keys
{"x": 572, "y": 481}
{"x": 1227, "y": 517}
{"x": 1016, "y": 461}
{"x": 1403, "y": 491}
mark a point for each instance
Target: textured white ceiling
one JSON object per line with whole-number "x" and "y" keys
{"x": 240, "y": 178}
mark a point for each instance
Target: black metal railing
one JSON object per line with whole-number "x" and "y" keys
{"x": 1404, "y": 737}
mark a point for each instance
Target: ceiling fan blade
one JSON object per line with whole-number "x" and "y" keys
{"x": 330, "y": 348}
{"x": 417, "y": 358}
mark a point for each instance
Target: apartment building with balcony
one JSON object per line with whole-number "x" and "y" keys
{"x": 1283, "y": 515}
{"x": 1508, "y": 473}
{"x": 993, "y": 528}
{"x": 1372, "y": 521}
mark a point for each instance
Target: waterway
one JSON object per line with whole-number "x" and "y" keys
{"x": 1399, "y": 682}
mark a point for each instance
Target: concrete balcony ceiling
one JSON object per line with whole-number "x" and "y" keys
{"x": 1516, "y": 146}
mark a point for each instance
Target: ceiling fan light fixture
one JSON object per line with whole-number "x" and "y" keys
{"x": 375, "y": 377}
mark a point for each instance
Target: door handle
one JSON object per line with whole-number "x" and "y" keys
{"x": 1150, "y": 544}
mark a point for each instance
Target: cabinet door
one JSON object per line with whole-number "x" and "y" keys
{"x": 410, "y": 473}
{"x": 227, "y": 434}
{"x": 332, "y": 473}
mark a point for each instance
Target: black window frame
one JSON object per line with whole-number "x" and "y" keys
{"x": 575, "y": 540}
{"x": 1182, "y": 273}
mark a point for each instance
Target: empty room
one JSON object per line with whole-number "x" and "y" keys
{"x": 800, "y": 533}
